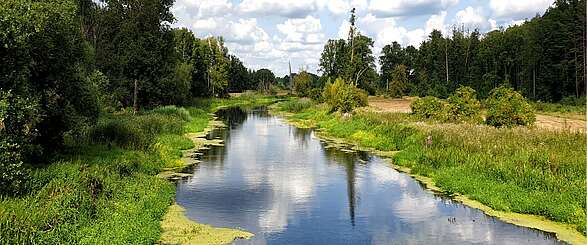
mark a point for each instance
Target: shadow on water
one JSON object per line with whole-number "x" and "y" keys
{"x": 288, "y": 187}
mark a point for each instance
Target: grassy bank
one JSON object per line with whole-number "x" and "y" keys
{"x": 516, "y": 170}
{"x": 104, "y": 187}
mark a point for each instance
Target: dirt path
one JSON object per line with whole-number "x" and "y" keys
{"x": 542, "y": 121}
{"x": 390, "y": 105}
{"x": 559, "y": 123}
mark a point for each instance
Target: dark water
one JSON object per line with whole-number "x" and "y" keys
{"x": 288, "y": 187}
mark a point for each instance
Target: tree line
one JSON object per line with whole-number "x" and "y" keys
{"x": 66, "y": 61}
{"x": 543, "y": 58}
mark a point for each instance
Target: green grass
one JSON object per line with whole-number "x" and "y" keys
{"x": 104, "y": 188}
{"x": 517, "y": 169}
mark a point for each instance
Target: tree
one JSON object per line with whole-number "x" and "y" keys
{"x": 265, "y": 79}
{"x": 391, "y": 56}
{"x": 399, "y": 81}
{"x": 218, "y": 70}
{"x": 302, "y": 83}
{"x": 239, "y": 75}
{"x": 135, "y": 44}
{"x": 334, "y": 58}
{"x": 42, "y": 55}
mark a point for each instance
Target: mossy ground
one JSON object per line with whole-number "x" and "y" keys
{"x": 178, "y": 229}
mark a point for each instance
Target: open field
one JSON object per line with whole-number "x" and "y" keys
{"x": 544, "y": 120}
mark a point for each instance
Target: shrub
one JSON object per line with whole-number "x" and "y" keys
{"x": 428, "y": 107}
{"x": 18, "y": 119}
{"x": 508, "y": 108}
{"x": 343, "y": 97}
{"x": 316, "y": 95}
{"x": 464, "y": 105}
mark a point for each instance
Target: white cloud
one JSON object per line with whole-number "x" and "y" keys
{"x": 492, "y": 24}
{"x": 338, "y": 7}
{"x": 473, "y": 18}
{"x": 385, "y": 31}
{"x": 343, "y": 29}
{"x": 246, "y": 31}
{"x": 285, "y": 8}
{"x": 518, "y": 9}
{"x": 386, "y": 8}
{"x": 203, "y": 8}
{"x": 436, "y": 22}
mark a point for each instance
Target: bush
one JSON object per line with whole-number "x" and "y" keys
{"x": 508, "y": 108}
{"x": 464, "y": 106}
{"x": 428, "y": 107}
{"x": 316, "y": 95}
{"x": 343, "y": 97}
{"x": 18, "y": 119}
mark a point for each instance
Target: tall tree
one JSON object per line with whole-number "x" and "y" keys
{"x": 135, "y": 44}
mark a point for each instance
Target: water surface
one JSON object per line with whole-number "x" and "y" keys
{"x": 286, "y": 186}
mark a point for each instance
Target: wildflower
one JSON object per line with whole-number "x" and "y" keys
{"x": 429, "y": 140}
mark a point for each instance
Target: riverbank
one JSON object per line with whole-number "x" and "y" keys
{"x": 502, "y": 171}
{"x": 105, "y": 187}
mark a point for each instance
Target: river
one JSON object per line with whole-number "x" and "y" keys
{"x": 287, "y": 186}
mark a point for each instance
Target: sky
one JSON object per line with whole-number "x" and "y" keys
{"x": 272, "y": 33}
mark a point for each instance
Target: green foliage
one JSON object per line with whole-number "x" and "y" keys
{"x": 428, "y": 107}
{"x": 41, "y": 54}
{"x": 316, "y": 95}
{"x": 343, "y": 97}
{"x": 265, "y": 79}
{"x": 507, "y": 108}
{"x": 107, "y": 101}
{"x": 302, "y": 84}
{"x": 399, "y": 81}
{"x": 18, "y": 118}
{"x": 462, "y": 106}
{"x": 350, "y": 59}
{"x": 465, "y": 106}
{"x": 133, "y": 42}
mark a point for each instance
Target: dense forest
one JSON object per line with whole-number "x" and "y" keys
{"x": 543, "y": 58}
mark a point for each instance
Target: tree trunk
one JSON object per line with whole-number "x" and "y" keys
{"x": 534, "y": 81}
{"x": 446, "y": 58}
{"x": 135, "y": 97}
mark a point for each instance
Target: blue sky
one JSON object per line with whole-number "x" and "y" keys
{"x": 270, "y": 33}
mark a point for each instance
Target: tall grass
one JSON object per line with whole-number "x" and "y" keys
{"x": 518, "y": 169}
{"x": 296, "y": 105}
